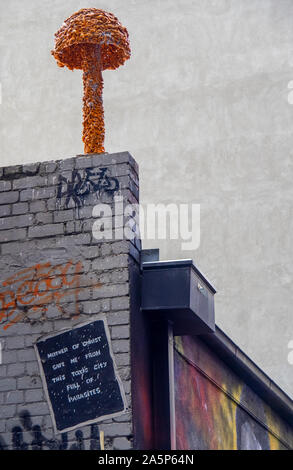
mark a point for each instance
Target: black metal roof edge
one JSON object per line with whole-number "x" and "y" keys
{"x": 245, "y": 368}
{"x": 178, "y": 263}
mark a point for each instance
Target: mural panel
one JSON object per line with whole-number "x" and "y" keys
{"x": 216, "y": 410}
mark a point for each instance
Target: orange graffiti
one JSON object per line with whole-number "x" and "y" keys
{"x": 37, "y": 287}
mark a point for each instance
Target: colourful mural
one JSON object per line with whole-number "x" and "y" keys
{"x": 216, "y": 410}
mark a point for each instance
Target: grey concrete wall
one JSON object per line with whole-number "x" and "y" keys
{"x": 202, "y": 104}
{"x": 54, "y": 275}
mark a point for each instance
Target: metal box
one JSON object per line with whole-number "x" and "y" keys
{"x": 177, "y": 290}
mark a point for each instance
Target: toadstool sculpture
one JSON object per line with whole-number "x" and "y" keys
{"x": 92, "y": 40}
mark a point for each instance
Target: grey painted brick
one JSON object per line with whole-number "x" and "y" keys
{"x": 121, "y": 346}
{"x": 35, "y": 194}
{"x": 29, "y": 340}
{"x": 28, "y": 382}
{"x": 113, "y": 290}
{"x": 16, "y": 342}
{"x": 20, "y": 208}
{"x": 35, "y": 409}
{"x": 3, "y": 371}
{"x": 15, "y": 247}
{"x": 17, "y": 329}
{"x": 91, "y": 307}
{"x": 26, "y": 355}
{"x": 7, "y": 385}
{"x": 105, "y": 305}
{"x": 103, "y": 277}
{"x": 7, "y": 411}
{"x": 73, "y": 226}
{"x": 32, "y": 368}
{"x": 45, "y": 193}
{"x": 53, "y": 179}
{"x": 5, "y": 211}
{"x": 121, "y": 443}
{"x": 16, "y": 221}
{"x": 87, "y": 225}
{"x": 48, "y": 167}
{"x": 90, "y": 252}
{"x": 5, "y": 185}
{"x": 120, "y": 332}
{"x": 44, "y": 217}
{"x": 120, "y": 303}
{"x": 63, "y": 216}
{"x": 38, "y": 206}
{"x": 6, "y": 440}
{"x": 83, "y": 162}
{"x": 12, "y": 170}
{"x": 52, "y": 312}
{"x": 118, "y": 318}
{"x": 124, "y": 373}
{"x": 110, "y": 262}
{"x": 122, "y": 359}
{"x": 67, "y": 164}
{"x": 121, "y": 275}
{"x": 34, "y": 395}
{"x": 12, "y": 235}
{"x": 41, "y": 328}
{"x": 54, "y": 204}
{"x": 36, "y": 315}
{"x": 31, "y": 168}
{"x": 27, "y": 195}
{"x": 116, "y": 429}
{"x": 9, "y": 197}
{"x": 85, "y": 212}
{"x": 73, "y": 240}
{"x": 14, "y": 397}
{"x": 127, "y": 389}
{"x": 47, "y": 422}
{"x": 9, "y": 357}
{"x": 16, "y": 421}
{"x": 29, "y": 182}
{"x": 121, "y": 169}
{"x": 106, "y": 249}
{"x": 61, "y": 324}
{"x": 120, "y": 247}
{"x": 15, "y": 370}
{"x": 116, "y": 158}
{"x": 45, "y": 230}
{"x": 124, "y": 418}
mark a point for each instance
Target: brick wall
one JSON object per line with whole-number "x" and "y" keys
{"x": 54, "y": 274}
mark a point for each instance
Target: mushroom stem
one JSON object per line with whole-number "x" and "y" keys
{"x": 93, "y": 110}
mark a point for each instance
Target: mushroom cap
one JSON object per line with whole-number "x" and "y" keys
{"x": 91, "y": 26}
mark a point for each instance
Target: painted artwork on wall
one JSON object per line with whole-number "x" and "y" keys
{"x": 215, "y": 409}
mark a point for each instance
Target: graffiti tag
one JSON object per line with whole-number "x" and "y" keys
{"x": 37, "y": 287}
{"x": 39, "y": 441}
{"x": 92, "y": 181}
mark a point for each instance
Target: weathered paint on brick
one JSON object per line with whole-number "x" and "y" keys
{"x": 34, "y": 230}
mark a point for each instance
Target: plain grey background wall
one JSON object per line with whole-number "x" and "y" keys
{"x": 203, "y": 107}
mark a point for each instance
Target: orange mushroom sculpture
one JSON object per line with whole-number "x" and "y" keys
{"x": 92, "y": 40}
